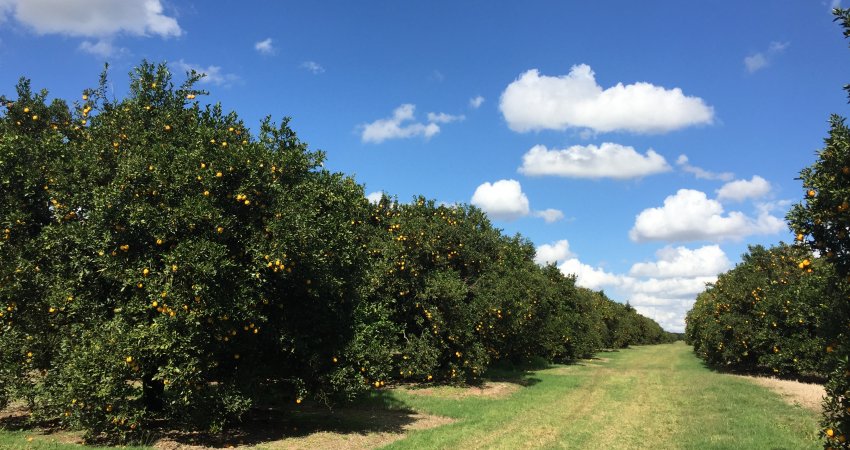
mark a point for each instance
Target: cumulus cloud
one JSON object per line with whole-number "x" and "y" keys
{"x": 690, "y": 215}
{"x": 397, "y": 127}
{"x": 739, "y": 190}
{"x": 502, "y": 200}
{"x": 553, "y": 253}
{"x": 672, "y": 262}
{"x": 700, "y": 173}
{"x": 375, "y": 197}
{"x": 265, "y": 46}
{"x": 759, "y": 60}
{"x": 550, "y": 215}
{"x": 214, "y": 75}
{"x": 94, "y": 18}
{"x": 444, "y": 118}
{"x": 663, "y": 290}
{"x": 576, "y": 100}
{"x": 588, "y": 276}
{"x": 476, "y": 102}
{"x": 313, "y": 67}
{"x": 606, "y": 161}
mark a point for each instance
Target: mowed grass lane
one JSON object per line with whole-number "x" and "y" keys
{"x": 652, "y": 397}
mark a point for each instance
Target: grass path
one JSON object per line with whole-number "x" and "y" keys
{"x": 653, "y": 397}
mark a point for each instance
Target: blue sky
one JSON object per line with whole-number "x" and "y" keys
{"x": 566, "y": 121}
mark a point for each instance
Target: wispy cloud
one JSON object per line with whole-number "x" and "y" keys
{"x": 313, "y": 67}
{"x": 265, "y": 46}
{"x": 700, "y": 173}
{"x": 757, "y": 61}
{"x": 102, "y": 48}
{"x": 213, "y": 74}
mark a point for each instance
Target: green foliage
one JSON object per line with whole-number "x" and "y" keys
{"x": 822, "y": 221}
{"x": 765, "y": 315}
{"x": 176, "y": 259}
{"x": 160, "y": 263}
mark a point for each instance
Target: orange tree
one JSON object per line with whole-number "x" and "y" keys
{"x": 535, "y": 312}
{"x": 765, "y": 315}
{"x": 421, "y": 319}
{"x": 822, "y": 221}
{"x": 172, "y": 266}
{"x": 32, "y": 136}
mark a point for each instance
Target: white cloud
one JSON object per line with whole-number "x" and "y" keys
{"x": 550, "y": 215}
{"x": 575, "y": 100}
{"x": 94, "y": 18}
{"x": 444, "y": 118}
{"x": 691, "y": 216}
{"x": 265, "y": 46}
{"x": 757, "y": 61}
{"x": 588, "y": 276}
{"x": 669, "y": 287}
{"x": 476, "y": 102}
{"x": 102, "y": 48}
{"x": 683, "y": 262}
{"x": 663, "y": 290}
{"x": 553, "y": 253}
{"x": 739, "y": 190}
{"x": 835, "y": 4}
{"x": 375, "y": 197}
{"x": 700, "y": 173}
{"x": 502, "y": 200}
{"x": 392, "y": 128}
{"x": 606, "y": 161}
{"x": 668, "y": 312}
{"x": 213, "y": 74}
{"x": 312, "y": 66}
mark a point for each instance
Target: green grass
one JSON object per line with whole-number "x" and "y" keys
{"x": 19, "y": 440}
{"x": 653, "y": 397}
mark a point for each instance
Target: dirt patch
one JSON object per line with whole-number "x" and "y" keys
{"x": 354, "y": 440}
{"x": 490, "y": 389}
{"x": 807, "y": 395}
{"x": 311, "y": 427}
{"x": 14, "y": 411}
{"x": 385, "y": 429}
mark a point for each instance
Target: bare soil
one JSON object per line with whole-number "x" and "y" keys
{"x": 490, "y": 389}
{"x": 807, "y": 395}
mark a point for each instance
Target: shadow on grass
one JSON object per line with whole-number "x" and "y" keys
{"x": 378, "y": 412}
{"x": 765, "y": 372}
{"x": 517, "y": 373}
